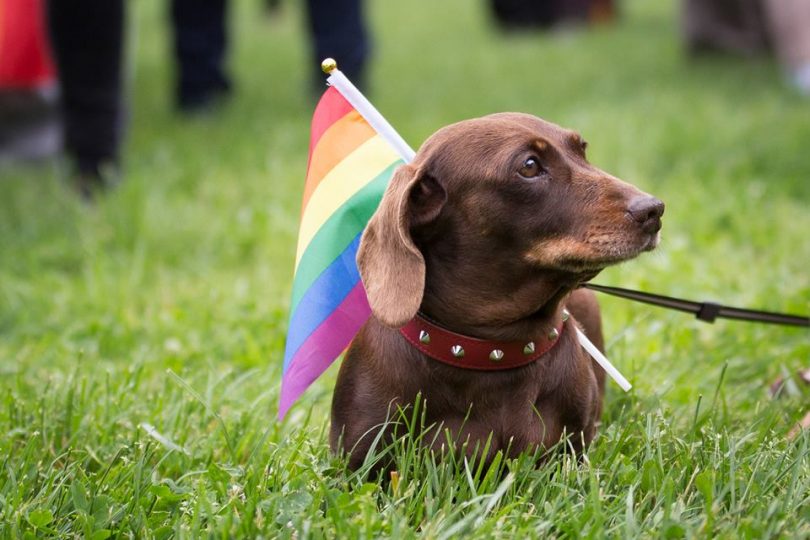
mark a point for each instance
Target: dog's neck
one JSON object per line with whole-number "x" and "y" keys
{"x": 471, "y": 291}
{"x": 485, "y": 314}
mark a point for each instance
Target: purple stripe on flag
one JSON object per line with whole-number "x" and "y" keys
{"x": 325, "y": 295}
{"x": 323, "y": 346}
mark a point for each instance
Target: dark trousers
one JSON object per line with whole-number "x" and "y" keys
{"x": 339, "y": 31}
{"x": 200, "y": 42}
{"x": 87, "y": 41}
{"x": 88, "y": 36}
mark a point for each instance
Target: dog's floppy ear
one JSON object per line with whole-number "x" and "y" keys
{"x": 391, "y": 266}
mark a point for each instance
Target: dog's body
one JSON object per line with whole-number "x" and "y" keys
{"x": 489, "y": 232}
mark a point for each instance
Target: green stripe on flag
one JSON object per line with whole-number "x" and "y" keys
{"x": 338, "y": 232}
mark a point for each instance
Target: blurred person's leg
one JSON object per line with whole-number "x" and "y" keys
{"x": 338, "y": 31}
{"x": 200, "y": 40}
{"x": 87, "y": 41}
{"x": 523, "y": 14}
{"x": 29, "y": 130}
{"x": 733, "y": 26}
{"x": 28, "y": 117}
{"x": 542, "y": 14}
{"x": 790, "y": 31}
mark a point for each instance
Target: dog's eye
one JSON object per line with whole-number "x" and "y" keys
{"x": 531, "y": 168}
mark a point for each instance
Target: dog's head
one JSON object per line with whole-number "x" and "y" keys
{"x": 501, "y": 214}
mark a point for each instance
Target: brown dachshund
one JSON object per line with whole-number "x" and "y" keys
{"x": 469, "y": 264}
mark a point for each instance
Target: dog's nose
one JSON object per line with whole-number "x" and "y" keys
{"x": 647, "y": 212}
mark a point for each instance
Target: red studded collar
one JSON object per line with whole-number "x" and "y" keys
{"x": 467, "y": 352}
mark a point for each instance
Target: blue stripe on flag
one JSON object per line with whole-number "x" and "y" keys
{"x": 322, "y": 298}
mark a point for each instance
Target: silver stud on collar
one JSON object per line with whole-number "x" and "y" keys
{"x": 529, "y": 348}
{"x": 553, "y": 334}
{"x": 424, "y": 337}
{"x": 457, "y": 350}
{"x": 496, "y": 355}
{"x": 565, "y": 315}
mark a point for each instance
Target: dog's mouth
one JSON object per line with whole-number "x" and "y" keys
{"x": 596, "y": 255}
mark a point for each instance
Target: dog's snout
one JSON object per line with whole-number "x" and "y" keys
{"x": 647, "y": 212}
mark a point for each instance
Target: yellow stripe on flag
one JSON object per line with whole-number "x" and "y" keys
{"x": 338, "y": 141}
{"x": 344, "y": 180}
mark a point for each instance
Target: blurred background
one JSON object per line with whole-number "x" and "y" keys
{"x": 172, "y": 245}
{"x": 152, "y": 161}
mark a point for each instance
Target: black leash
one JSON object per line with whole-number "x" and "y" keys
{"x": 704, "y": 311}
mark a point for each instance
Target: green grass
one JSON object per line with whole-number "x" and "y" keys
{"x": 141, "y": 338}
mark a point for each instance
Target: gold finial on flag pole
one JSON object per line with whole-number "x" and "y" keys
{"x": 356, "y": 99}
{"x": 328, "y": 65}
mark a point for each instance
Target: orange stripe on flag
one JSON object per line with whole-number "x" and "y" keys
{"x": 331, "y": 108}
{"x": 347, "y": 178}
{"x": 341, "y": 139}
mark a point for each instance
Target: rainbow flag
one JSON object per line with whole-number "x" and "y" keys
{"x": 350, "y": 165}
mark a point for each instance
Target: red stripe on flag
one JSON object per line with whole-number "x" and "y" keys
{"x": 331, "y": 108}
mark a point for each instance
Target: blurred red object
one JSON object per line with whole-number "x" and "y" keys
{"x": 25, "y": 58}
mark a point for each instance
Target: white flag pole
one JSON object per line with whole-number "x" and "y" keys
{"x": 602, "y": 360}
{"x": 357, "y": 100}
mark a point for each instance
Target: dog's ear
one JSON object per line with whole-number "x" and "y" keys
{"x": 391, "y": 266}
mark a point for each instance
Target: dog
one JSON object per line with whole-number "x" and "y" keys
{"x": 472, "y": 264}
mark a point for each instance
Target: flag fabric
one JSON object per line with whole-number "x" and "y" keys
{"x": 350, "y": 165}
